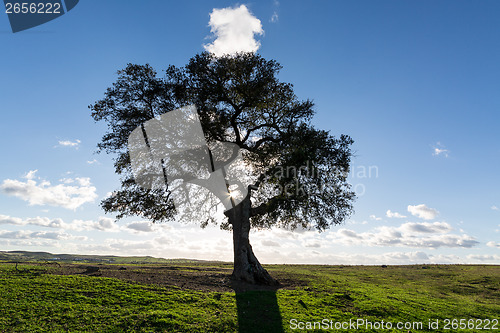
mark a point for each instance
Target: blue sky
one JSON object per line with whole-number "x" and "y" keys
{"x": 414, "y": 83}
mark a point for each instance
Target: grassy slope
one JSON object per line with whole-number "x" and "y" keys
{"x": 40, "y": 303}
{"x": 27, "y": 256}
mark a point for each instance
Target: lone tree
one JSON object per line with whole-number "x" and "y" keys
{"x": 300, "y": 171}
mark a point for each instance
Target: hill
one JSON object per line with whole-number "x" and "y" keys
{"x": 26, "y": 256}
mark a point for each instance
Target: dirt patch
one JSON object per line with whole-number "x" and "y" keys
{"x": 197, "y": 277}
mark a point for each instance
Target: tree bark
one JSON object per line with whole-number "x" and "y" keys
{"x": 246, "y": 266}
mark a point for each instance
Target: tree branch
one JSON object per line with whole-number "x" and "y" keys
{"x": 263, "y": 208}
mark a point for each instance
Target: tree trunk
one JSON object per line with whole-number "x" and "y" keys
{"x": 246, "y": 266}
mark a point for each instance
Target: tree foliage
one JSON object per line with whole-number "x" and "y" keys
{"x": 300, "y": 171}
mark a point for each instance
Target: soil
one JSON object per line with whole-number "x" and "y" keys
{"x": 202, "y": 277}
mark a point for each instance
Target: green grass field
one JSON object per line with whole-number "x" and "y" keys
{"x": 36, "y": 298}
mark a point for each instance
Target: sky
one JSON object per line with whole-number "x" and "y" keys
{"x": 415, "y": 84}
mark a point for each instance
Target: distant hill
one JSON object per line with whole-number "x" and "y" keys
{"x": 23, "y": 256}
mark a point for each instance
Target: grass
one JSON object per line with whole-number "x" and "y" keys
{"x": 33, "y": 301}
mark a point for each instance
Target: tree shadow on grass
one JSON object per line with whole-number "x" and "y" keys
{"x": 258, "y": 309}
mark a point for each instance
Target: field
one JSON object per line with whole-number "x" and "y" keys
{"x": 184, "y": 296}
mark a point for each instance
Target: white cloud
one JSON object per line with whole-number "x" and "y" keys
{"x": 422, "y": 211}
{"x": 105, "y": 223}
{"x": 82, "y": 181}
{"x": 46, "y": 222}
{"x": 234, "y": 30}
{"x": 68, "y": 143}
{"x": 484, "y": 257}
{"x": 22, "y": 234}
{"x": 314, "y": 244}
{"x": 493, "y": 244}
{"x": 373, "y": 217}
{"x": 43, "y": 193}
{"x": 349, "y": 258}
{"x": 142, "y": 226}
{"x": 429, "y": 228}
{"x": 94, "y": 161}
{"x": 390, "y": 214}
{"x": 271, "y": 246}
{"x": 118, "y": 247}
{"x": 494, "y": 208}
{"x": 4, "y": 219}
{"x": 163, "y": 240}
{"x": 440, "y": 150}
{"x": 417, "y": 235}
{"x": 23, "y": 243}
{"x": 284, "y": 234}
{"x": 406, "y": 256}
{"x": 267, "y": 242}
{"x": 102, "y": 223}
{"x": 30, "y": 174}
{"x": 275, "y": 17}
{"x": 357, "y": 222}
{"x": 349, "y": 234}
{"x": 37, "y": 221}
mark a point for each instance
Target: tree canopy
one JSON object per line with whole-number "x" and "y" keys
{"x": 300, "y": 171}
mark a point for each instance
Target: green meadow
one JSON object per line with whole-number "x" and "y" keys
{"x": 199, "y": 297}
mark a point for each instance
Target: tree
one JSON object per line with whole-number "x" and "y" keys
{"x": 300, "y": 171}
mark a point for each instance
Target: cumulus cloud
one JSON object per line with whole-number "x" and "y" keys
{"x": 429, "y": 228}
{"x": 391, "y": 214}
{"x": 422, "y": 211}
{"x": 37, "y": 221}
{"x": 23, "y": 243}
{"x": 102, "y": 223}
{"x": 163, "y": 240}
{"x": 373, "y": 217}
{"x": 484, "y": 257}
{"x": 43, "y": 192}
{"x": 142, "y": 226}
{"x": 417, "y": 235}
{"x": 349, "y": 234}
{"x": 183, "y": 241}
{"x": 67, "y": 143}
{"x": 350, "y": 258}
{"x": 22, "y": 234}
{"x": 406, "y": 256}
{"x": 234, "y": 30}
{"x": 281, "y": 233}
{"x": 267, "y": 242}
{"x": 46, "y": 222}
{"x": 314, "y": 244}
{"x": 494, "y": 208}
{"x": 493, "y": 244}
{"x": 4, "y": 219}
{"x": 118, "y": 247}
